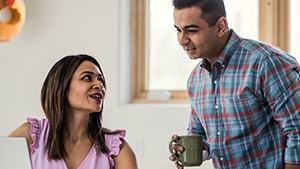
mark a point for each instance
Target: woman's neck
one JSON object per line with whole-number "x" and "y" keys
{"x": 76, "y": 128}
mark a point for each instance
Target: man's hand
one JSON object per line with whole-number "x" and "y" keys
{"x": 176, "y": 148}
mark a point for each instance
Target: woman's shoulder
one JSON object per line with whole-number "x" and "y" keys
{"x": 31, "y": 129}
{"x": 38, "y": 126}
{"x": 113, "y": 139}
{"x": 114, "y": 135}
{"x": 23, "y": 131}
{"x": 125, "y": 156}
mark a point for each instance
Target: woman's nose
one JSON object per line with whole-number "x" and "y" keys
{"x": 98, "y": 85}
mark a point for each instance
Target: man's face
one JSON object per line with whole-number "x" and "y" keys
{"x": 194, "y": 35}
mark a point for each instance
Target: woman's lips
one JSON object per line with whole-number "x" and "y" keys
{"x": 97, "y": 96}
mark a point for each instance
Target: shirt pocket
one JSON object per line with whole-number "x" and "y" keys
{"x": 245, "y": 95}
{"x": 246, "y": 109}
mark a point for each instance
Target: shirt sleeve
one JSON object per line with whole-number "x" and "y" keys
{"x": 195, "y": 127}
{"x": 281, "y": 86}
{"x": 113, "y": 142}
{"x": 34, "y": 132}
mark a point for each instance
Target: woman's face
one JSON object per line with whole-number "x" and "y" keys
{"x": 86, "y": 92}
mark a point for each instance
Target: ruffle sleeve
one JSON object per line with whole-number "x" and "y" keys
{"x": 113, "y": 142}
{"x": 34, "y": 132}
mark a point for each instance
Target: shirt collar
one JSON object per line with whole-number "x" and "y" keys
{"x": 226, "y": 53}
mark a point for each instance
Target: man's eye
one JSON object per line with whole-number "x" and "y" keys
{"x": 192, "y": 30}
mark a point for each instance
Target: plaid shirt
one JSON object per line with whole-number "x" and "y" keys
{"x": 246, "y": 105}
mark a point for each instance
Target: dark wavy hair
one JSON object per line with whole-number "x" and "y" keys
{"x": 212, "y": 10}
{"x": 55, "y": 103}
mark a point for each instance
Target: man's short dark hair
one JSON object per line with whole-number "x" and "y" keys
{"x": 212, "y": 10}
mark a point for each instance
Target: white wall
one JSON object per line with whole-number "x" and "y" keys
{"x": 57, "y": 28}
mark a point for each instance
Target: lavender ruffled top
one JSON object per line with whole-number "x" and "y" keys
{"x": 39, "y": 158}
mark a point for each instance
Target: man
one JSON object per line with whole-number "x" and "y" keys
{"x": 245, "y": 95}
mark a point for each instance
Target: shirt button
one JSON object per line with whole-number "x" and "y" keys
{"x": 216, "y": 106}
{"x": 223, "y": 66}
{"x": 221, "y": 158}
{"x": 215, "y": 82}
{"x": 218, "y": 133}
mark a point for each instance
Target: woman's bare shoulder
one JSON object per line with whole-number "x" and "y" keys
{"x": 22, "y": 131}
{"x": 126, "y": 158}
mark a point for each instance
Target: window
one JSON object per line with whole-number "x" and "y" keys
{"x": 294, "y": 29}
{"x": 168, "y": 64}
{"x": 160, "y": 65}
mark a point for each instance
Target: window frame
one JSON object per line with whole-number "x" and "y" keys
{"x": 273, "y": 29}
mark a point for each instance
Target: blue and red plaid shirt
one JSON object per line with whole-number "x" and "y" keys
{"x": 246, "y": 105}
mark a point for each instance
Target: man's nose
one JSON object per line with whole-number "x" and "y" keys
{"x": 182, "y": 39}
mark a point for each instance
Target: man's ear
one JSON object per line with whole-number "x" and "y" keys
{"x": 222, "y": 26}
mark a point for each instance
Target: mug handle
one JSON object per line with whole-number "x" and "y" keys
{"x": 171, "y": 150}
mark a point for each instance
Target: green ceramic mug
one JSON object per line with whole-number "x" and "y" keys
{"x": 192, "y": 154}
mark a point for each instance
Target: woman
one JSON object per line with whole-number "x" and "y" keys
{"x": 72, "y": 136}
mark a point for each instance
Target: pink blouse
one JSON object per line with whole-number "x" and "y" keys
{"x": 39, "y": 158}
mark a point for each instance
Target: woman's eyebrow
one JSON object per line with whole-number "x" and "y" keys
{"x": 90, "y": 72}
{"x": 86, "y": 72}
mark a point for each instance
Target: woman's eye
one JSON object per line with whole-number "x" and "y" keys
{"x": 101, "y": 79}
{"x": 86, "y": 78}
